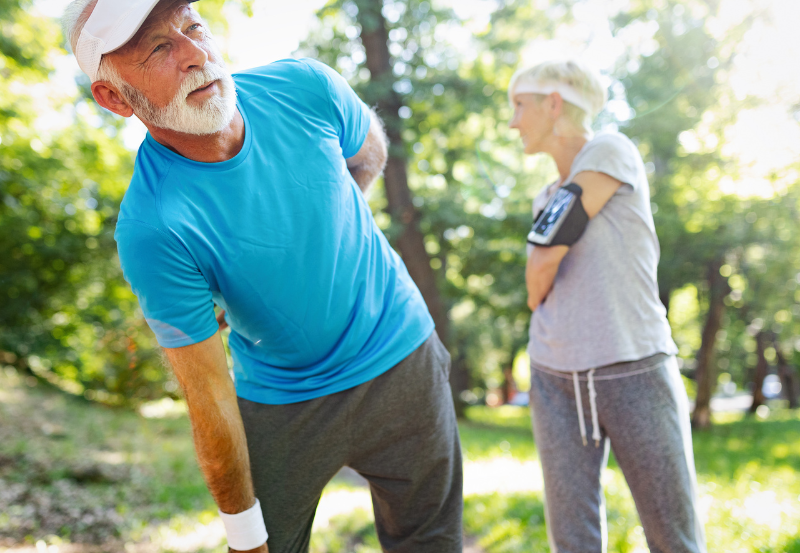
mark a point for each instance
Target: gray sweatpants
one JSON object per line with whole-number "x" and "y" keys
{"x": 398, "y": 431}
{"x": 642, "y": 412}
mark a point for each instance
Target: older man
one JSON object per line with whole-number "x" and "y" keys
{"x": 247, "y": 194}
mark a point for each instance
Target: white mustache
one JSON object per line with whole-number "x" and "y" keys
{"x": 200, "y": 78}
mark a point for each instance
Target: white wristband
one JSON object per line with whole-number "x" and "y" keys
{"x": 245, "y": 530}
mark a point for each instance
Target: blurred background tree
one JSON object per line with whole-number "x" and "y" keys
{"x": 446, "y": 111}
{"x": 66, "y": 315}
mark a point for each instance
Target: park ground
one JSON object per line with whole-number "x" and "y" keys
{"x": 79, "y": 477}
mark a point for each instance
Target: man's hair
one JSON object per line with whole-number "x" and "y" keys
{"x": 581, "y": 78}
{"x": 72, "y": 22}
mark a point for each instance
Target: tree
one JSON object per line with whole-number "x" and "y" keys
{"x": 446, "y": 114}
{"x": 381, "y": 92}
{"x": 66, "y": 316}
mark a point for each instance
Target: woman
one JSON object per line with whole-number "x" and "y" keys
{"x": 599, "y": 334}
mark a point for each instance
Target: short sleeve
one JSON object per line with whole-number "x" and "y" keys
{"x": 172, "y": 293}
{"x": 351, "y": 115}
{"x": 615, "y": 155}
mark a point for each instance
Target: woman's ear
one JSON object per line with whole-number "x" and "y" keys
{"x": 107, "y": 95}
{"x": 555, "y": 105}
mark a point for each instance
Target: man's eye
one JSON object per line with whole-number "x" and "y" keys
{"x": 194, "y": 27}
{"x": 157, "y": 48}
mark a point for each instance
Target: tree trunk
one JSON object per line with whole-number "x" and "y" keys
{"x": 459, "y": 382}
{"x": 790, "y": 386}
{"x": 706, "y": 373}
{"x": 762, "y": 368}
{"x": 509, "y": 389}
{"x": 664, "y": 296}
{"x": 410, "y": 241}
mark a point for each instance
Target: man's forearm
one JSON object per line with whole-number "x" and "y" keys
{"x": 217, "y": 427}
{"x": 221, "y": 447}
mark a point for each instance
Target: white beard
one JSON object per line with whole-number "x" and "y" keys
{"x": 211, "y": 117}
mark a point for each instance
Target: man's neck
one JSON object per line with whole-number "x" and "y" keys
{"x": 209, "y": 148}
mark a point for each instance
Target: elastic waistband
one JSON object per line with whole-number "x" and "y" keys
{"x": 610, "y": 372}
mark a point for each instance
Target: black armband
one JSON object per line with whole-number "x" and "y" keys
{"x": 563, "y": 221}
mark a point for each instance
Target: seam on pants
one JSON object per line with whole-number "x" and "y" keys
{"x": 682, "y": 408}
{"x": 567, "y": 376}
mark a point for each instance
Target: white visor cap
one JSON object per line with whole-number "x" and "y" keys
{"x": 111, "y": 25}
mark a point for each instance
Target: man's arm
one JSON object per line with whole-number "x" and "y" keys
{"x": 543, "y": 263}
{"x": 370, "y": 160}
{"x": 217, "y": 429}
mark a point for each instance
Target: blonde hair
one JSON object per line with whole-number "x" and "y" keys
{"x": 581, "y": 78}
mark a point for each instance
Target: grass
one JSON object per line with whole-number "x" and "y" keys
{"x": 75, "y": 472}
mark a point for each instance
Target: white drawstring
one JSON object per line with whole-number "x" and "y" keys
{"x": 579, "y": 405}
{"x": 593, "y": 406}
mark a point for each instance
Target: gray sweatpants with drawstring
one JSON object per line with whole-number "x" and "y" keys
{"x": 641, "y": 411}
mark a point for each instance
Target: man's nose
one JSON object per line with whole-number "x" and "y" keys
{"x": 193, "y": 56}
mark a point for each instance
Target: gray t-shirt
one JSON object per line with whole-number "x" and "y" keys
{"x": 604, "y": 306}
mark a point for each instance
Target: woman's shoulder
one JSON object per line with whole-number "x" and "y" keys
{"x": 611, "y": 141}
{"x": 614, "y": 154}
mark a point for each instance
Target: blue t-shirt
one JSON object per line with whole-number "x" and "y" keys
{"x": 280, "y": 237}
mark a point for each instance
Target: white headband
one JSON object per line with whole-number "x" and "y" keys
{"x": 568, "y": 94}
{"x": 111, "y": 25}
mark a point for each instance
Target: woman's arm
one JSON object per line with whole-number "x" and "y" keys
{"x": 540, "y": 272}
{"x": 543, "y": 262}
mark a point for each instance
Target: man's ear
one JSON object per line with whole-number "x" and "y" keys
{"x": 109, "y": 97}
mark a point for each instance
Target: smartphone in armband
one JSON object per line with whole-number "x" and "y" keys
{"x": 562, "y": 221}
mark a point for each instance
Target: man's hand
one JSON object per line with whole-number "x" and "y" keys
{"x": 223, "y": 324}
{"x": 263, "y": 549}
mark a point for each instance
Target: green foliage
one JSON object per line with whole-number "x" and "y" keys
{"x": 212, "y": 12}
{"x": 474, "y": 188}
{"x": 466, "y": 172}
{"x": 66, "y": 315}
